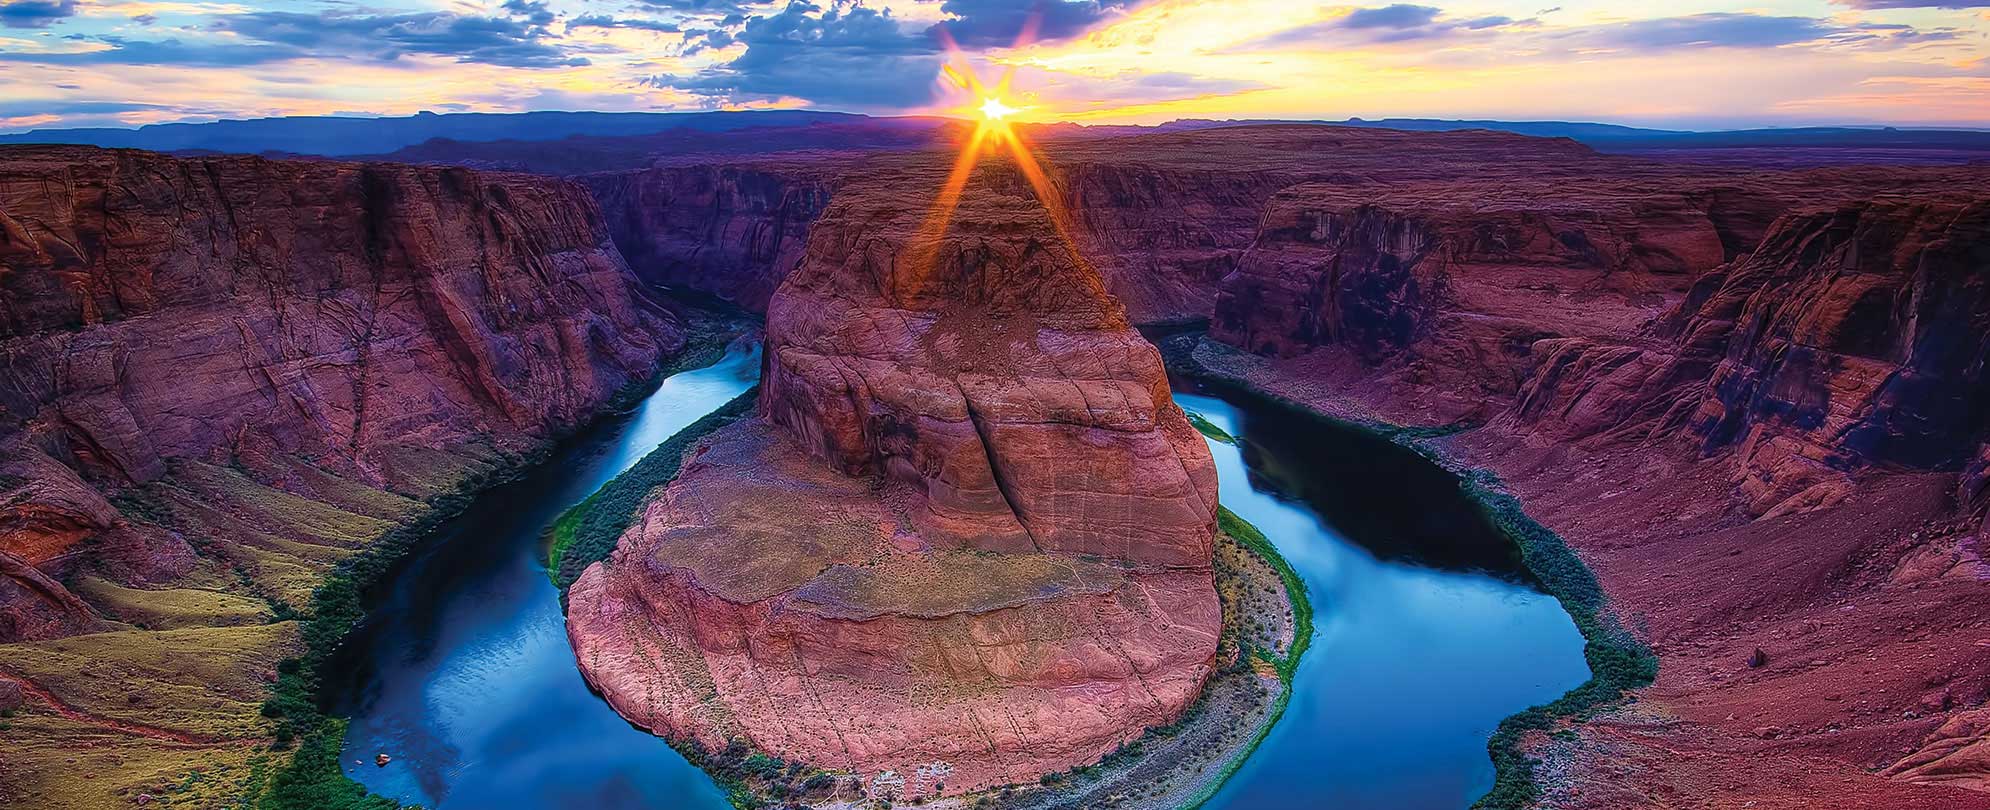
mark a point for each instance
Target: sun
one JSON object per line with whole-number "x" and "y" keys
{"x": 993, "y": 134}
{"x": 993, "y": 109}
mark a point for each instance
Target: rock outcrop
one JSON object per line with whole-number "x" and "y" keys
{"x": 388, "y": 327}
{"x": 970, "y": 530}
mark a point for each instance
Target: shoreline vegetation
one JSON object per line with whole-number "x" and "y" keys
{"x": 1619, "y": 663}
{"x": 1234, "y": 715}
{"x": 586, "y": 533}
{"x": 311, "y": 778}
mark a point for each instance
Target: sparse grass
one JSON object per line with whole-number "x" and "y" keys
{"x": 1295, "y": 590}
{"x": 206, "y": 682}
{"x": 171, "y": 608}
{"x": 76, "y": 764}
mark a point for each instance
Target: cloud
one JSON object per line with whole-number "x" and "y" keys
{"x": 520, "y": 39}
{"x": 1712, "y": 30}
{"x": 43, "y": 106}
{"x": 1399, "y": 16}
{"x": 857, "y": 57}
{"x": 713, "y": 7}
{"x": 157, "y": 52}
{"x": 1878, "y": 4}
{"x": 999, "y": 23}
{"x": 35, "y": 13}
{"x": 1401, "y": 22}
{"x": 1404, "y": 23}
{"x": 605, "y": 21}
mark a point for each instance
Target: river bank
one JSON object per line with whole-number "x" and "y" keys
{"x": 302, "y": 702}
{"x": 1618, "y": 661}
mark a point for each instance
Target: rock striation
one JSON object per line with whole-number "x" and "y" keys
{"x": 1851, "y": 338}
{"x": 731, "y": 230}
{"x": 969, "y": 533}
{"x": 386, "y": 327}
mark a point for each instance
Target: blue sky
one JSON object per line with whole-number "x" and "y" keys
{"x": 1693, "y": 63}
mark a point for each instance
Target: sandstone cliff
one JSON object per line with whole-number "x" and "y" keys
{"x": 970, "y": 530}
{"x": 223, "y": 329}
{"x": 734, "y": 231}
{"x": 1851, "y": 338}
{"x": 1160, "y": 236}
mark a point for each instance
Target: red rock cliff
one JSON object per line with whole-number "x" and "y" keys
{"x": 1852, "y": 337}
{"x": 734, "y": 231}
{"x": 392, "y": 326}
{"x": 971, "y": 527}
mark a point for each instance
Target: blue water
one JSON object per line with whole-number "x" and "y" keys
{"x": 1429, "y": 631}
{"x": 464, "y": 675}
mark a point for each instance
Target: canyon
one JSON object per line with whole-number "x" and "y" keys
{"x": 1693, "y": 373}
{"x": 224, "y": 375}
{"x": 1752, "y": 398}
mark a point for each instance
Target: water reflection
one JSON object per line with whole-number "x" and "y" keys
{"x": 464, "y": 675}
{"x": 1428, "y": 634}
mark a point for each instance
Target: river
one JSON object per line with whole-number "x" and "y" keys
{"x": 463, "y": 674}
{"x": 1429, "y": 631}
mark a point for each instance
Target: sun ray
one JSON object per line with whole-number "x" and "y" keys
{"x": 992, "y": 130}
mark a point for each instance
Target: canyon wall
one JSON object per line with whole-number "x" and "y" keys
{"x": 1161, "y": 237}
{"x": 1853, "y": 337}
{"x": 308, "y": 324}
{"x": 734, "y": 231}
{"x": 1004, "y": 568}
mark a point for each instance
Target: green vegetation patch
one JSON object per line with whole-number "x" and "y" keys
{"x": 587, "y": 533}
{"x": 1618, "y": 661}
{"x": 1248, "y": 535}
{"x": 1295, "y": 590}
{"x": 1210, "y": 429}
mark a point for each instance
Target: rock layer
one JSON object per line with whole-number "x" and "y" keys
{"x": 734, "y": 231}
{"x": 970, "y": 530}
{"x": 391, "y": 327}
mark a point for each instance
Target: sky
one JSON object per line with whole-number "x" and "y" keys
{"x": 1695, "y": 64}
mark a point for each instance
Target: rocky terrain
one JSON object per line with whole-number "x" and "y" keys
{"x": 222, "y": 375}
{"x": 1006, "y": 568}
{"x": 1754, "y": 402}
{"x": 1751, "y": 398}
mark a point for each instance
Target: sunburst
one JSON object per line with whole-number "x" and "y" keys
{"x": 993, "y": 110}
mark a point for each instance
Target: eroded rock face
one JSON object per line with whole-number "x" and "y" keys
{"x": 1455, "y": 280}
{"x": 383, "y": 322}
{"x": 970, "y": 527}
{"x": 734, "y": 231}
{"x": 1851, "y": 338}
